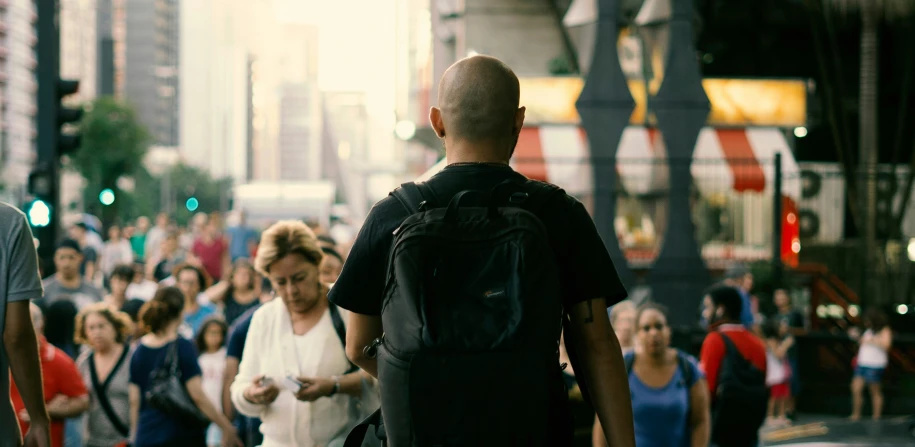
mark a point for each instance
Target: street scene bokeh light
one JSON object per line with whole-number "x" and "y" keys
{"x": 106, "y": 197}
{"x": 39, "y": 214}
{"x": 192, "y": 204}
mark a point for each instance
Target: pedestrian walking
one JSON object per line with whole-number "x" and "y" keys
{"x": 20, "y": 283}
{"x": 484, "y": 265}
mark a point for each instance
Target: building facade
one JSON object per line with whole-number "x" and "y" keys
{"x": 286, "y": 102}
{"x": 18, "y": 88}
{"x": 214, "y": 78}
{"x": 151, "y": 67}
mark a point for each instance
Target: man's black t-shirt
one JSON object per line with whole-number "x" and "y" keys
{"x": 586, "y": 270}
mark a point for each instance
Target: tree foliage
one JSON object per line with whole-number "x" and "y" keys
{"x": 113, "y": 145}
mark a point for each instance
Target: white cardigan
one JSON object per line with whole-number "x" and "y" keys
{"x": 271, "y": 349}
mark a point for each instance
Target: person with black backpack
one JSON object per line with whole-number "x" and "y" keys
{"x": 734, "y": 361}
{"x": 459, "y": 288}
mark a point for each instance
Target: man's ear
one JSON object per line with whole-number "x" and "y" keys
{"x": 438, "y": 124}
{"x": 519, "y": 121}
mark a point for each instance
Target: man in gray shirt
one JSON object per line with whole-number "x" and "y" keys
{"x": 19, "y": 283}
{"x": 67, "y": 282}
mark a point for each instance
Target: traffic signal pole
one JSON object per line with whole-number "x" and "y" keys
{"x": 47, "y": 168}
{"x": 44, "y": 180}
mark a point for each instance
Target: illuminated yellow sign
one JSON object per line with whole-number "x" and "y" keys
{"x": 735, "y": 102}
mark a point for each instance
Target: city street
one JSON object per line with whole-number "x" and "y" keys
{"x": 830, "y": 431}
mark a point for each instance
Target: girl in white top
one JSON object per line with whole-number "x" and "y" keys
{"x": 293, "y": 375}
{"x": 871, "y": 362}
{"x": 211, "y": 344}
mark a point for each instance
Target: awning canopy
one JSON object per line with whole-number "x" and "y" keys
{"x": 743, "y": 160}
{"x": 555, "y": 154}
{"x": 739, "y": 160}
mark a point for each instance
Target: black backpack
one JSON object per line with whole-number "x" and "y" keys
{"x": 472, "y": 316}
{"x": 741, "y": 400}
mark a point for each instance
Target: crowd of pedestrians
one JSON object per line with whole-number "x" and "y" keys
{"x": 106, "y": 318}
{"x": 461, "y": 325}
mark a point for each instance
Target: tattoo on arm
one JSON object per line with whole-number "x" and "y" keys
{"x": 590, "y": 317}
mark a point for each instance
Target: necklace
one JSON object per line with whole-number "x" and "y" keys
{"x": 479, "y": 163}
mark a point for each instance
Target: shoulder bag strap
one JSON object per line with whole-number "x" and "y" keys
{"x": 101, "y": 393}
{"x": 340, "y": 328}
{"x": 686, "y": 368}
{"x": 171, "y": 360}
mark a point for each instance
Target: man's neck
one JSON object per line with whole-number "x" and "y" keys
{"x": 460, "y": 152}
{"x": 70, "y": 283}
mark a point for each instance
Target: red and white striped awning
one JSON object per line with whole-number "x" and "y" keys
{"x": 739, "y": 160}
{"x": 743, "y": 160}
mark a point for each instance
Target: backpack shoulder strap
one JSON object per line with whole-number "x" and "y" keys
{"x": 356, "y": 437}
{"x": 539, "y": 193}
{"x": 629, "y": 360}
{"x": 340, "y": 328}
{"x": 729, "y": 346}
{"x": 412, "y": 195}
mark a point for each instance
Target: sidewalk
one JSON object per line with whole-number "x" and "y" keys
{"x": 829, "y": 431}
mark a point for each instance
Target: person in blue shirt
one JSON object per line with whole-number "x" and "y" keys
{"x": 241, "y": 238}
{"x": 161, "y": 316}
{"x": 192, "y": 280}
{"x": 670, "y": 402}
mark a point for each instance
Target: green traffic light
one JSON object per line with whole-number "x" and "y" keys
{"x": 106, "y": 196}
{"x": 39, "y": 213}
{"x": 192, "y": 204}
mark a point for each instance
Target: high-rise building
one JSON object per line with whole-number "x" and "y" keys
{"x": 18, "y": 88}
{"x": 151, "y": 66}
{"x": 413, "y": 33}
{"x": 79, "y": 30}
{"x": 286, "y": 103}
{"x": 214, "y": 78}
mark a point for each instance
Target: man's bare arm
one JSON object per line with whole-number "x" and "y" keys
{"x": 22, "y": 348}
{"x": 603, "y": 370}
{"x": 361, "y": 330}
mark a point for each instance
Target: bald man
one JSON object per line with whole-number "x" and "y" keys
{"x": 479, "y": 118}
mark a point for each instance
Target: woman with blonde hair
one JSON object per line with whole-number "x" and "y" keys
{"x": 294, "y": 375}
{"x": 105, "y": 370}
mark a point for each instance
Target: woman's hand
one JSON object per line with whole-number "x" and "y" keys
{"x": 262, "y": 391}
{"x": 230, "y": 438}
{"x": 314, "y": 388}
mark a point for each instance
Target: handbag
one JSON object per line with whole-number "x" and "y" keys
{"x": 168, "y": 394}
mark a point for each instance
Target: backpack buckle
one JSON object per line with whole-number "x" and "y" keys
{"x": 518, "y": 198}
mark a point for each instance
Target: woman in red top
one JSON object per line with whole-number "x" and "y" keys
{"x": 64, "y": 391}
{"x": 213, "y": 251}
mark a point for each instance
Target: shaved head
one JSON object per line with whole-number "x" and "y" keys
{"x": 478, "y": 98}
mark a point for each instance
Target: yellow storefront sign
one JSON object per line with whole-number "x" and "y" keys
{"x": 735, "y": 102}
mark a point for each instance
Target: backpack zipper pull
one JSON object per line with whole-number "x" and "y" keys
{"x": 371, "y": 351}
